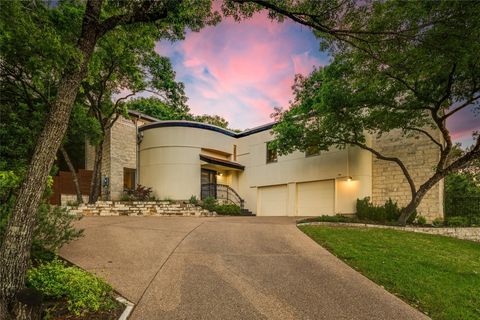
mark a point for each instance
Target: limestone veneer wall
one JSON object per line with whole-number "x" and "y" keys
{"x": 420, "y": 155}
{"x": 119, "y": 151}
{"x": 139, "y": 208}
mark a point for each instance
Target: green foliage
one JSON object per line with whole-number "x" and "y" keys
{"x": 82, "y": 291}
{"x": 458, "y": 221}
{"x": 438, "y": 275}
{"x": 421, "y": 220}
{"x": 229, "y": 209}
{"x": 54, "y": 229}
{"x": 438, "y": 222}
{"x": 335, "y": 218}
{"x": 209, "y": 203}
{"x": 193, "y": 200}
{"x": 396, "y": 66}
{"x": 54, "y": 225}
{"x": 462, "y": 195}
{"x": 214, "y": 120}
{"x": 156, "y": 108}
{"x": 140, "y": 193}
{"x": 389, "y": 212}
{"x": 125, "y": 197}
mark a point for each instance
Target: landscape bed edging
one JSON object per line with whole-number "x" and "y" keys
{"x": 465, "y": 233}
{"x": 128, "y": 308}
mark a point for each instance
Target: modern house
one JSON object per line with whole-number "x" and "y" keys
{"x": 180, "y": 159}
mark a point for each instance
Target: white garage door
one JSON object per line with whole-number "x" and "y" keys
{"x": 316, "y": 198}
{"x": 272, "y": 201}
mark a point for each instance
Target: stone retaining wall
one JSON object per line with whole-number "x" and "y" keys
{"x": 472, "y": 233}
{"x": 140, "y": 208}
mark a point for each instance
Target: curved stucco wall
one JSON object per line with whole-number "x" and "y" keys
{"x": 169, "y": 159}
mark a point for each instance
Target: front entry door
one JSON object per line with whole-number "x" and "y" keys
{"x": 209, "y": 184}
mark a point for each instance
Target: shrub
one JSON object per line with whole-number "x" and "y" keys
{"x": 54, "y": 229}
{"x": 209, "y": 203}
{"x": 82, "y": 291}
{"x": 438, "y": 222}
{"x": 193, "y": 200}
{"x": 389, "y": 212}
{"x": 458, "y": 221}
{"x": 335, "y": 218}
{"x": 228, "y": 209}
{"x": 421, "y": 220}
{"x": 140, "y": 193}
{"x": 125, "y": 197}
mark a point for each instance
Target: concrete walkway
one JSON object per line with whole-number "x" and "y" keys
{"x": 227, "y": 268}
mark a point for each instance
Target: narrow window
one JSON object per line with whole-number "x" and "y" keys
{"x": 128, "y": 178}
{"x": 271, "y": 153}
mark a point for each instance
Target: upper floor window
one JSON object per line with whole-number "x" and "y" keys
{"x": 312, "y": 151}
{"x": 272, "y": 155}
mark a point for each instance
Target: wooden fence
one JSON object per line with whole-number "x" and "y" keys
{"x": 63, "y": 184}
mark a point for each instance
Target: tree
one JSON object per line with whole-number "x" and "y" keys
{"x": 215, "y": 120}
{"x": 397, "y": 65}
{"x": 33, "y": 34}
{"x": 157, "y": 108}
{"x": 125, "y": 61}
{"x": 82, "y": 127}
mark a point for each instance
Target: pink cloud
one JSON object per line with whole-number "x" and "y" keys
{"x": 242, "y": 70}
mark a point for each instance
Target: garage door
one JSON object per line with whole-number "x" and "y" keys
{"x": 272, "y": 201}
{"x": 316, "y": 198}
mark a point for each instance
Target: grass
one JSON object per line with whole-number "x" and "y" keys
{"x": 438, "y": 275}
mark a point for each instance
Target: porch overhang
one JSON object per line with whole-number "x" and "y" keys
{"x": 222, "y": 162}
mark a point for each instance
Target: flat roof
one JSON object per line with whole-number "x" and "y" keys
{"x": 206, "y": 126}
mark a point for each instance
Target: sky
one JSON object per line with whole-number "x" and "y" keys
{"x": 241, "y": 71}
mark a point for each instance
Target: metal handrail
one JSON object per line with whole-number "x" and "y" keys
{"x": 222, "y": 191}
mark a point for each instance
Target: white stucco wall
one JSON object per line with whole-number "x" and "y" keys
{"x": 170, "y": 164}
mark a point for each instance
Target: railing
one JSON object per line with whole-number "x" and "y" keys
{"x": 221, "y": 192}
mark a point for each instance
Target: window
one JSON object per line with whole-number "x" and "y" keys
{"x": 128, "y": 178}
{"x": 312, "y": 151}
{"x": 271, "y": 153}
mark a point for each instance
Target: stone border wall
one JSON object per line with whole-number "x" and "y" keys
{"x": 470, "y": 233}
{"x": 140, "y": 208}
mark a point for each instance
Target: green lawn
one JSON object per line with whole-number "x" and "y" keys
{"x": 438, "y": 275}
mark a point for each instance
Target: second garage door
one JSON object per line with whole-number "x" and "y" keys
{"x": 316, "y": 198}
{"x": 272, "y": 201}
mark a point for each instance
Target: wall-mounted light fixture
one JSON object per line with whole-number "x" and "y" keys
{"x": 349, "y": 178}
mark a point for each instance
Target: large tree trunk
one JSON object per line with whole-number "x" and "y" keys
{"x": 15, "y": 249}
{"x": 95, "y": 184}
{"x": 74, "y": 174}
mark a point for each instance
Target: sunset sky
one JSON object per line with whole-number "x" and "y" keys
{"x": 240, "y": 71}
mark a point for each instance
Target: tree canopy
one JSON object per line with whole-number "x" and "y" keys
{"x": 396, "y": 65}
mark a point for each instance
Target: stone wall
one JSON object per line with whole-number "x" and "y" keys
{"x": 140, "y": 208}
{"x": 119, "y": 152}
{"x": 471, "y": 233}
{"x": 123, "y": 154}
{"x": 71, "y": 198}
{"x": 420, "y": 155}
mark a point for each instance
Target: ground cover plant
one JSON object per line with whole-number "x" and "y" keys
{"x": 438, "y": 275}
{"x": 228, "y": 209}
{"x": 70, "y": 292}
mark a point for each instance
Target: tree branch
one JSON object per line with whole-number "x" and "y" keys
{"x": 460, "y": 107}
{"x": 428, "y": 135}
{"x": 399, "y": 162}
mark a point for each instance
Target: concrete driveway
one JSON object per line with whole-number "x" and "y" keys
{"x": 227, "y": 268}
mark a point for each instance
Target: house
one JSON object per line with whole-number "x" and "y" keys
{"x": 181, "y": 159}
